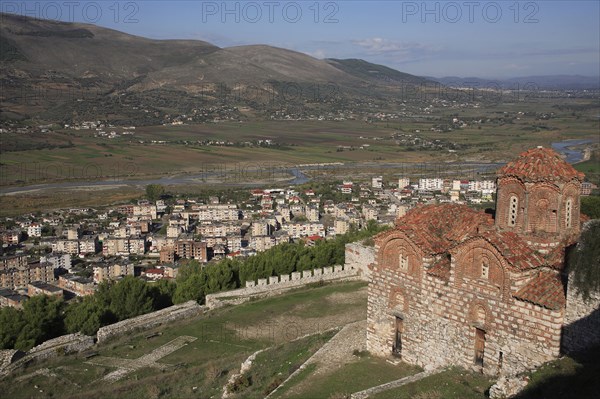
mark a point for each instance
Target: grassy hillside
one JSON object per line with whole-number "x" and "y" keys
{"x": 225, "y": 338}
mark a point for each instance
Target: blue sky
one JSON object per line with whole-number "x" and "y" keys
{"x": 490, "y": 39}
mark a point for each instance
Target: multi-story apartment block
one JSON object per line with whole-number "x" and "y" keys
{"x": 104, "y": 272}
{"x": 190, "y": 249}
{"x": 15, "y": 272}
{"x": 297, "y": 230}
{"x": 370, "y": 212}
{"x": 377, "y": 182}
{"x": 11, "y": 237}
{"x": 88, "y": 244}
{"x": 34, "y": 230}
{"x": 80, "y": 286}
{"x": 312, "y": 213}
{"x": 403, "y": 182}
{"x": 58, "y": 260}
{"x": 341, "y": 225}
{"x": 42, "y": 288}
{"x": 431, "y": 184}
{"x": 218, "y": 212}
{"x": 218, "y": 229}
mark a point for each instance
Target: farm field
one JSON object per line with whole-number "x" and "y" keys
{"x": 156, "y": 151}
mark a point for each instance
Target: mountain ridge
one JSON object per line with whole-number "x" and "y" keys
{"x": 39, "y": 55}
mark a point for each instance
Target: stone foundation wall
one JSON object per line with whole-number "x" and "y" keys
{"x": 360, "y": 257}
{"x": 277, "y": 285}
{"x": 7, "y": 356}
{"x": 175, "y": 312}
{"x": 439, "y": 324}
{"x": 582, "y": 321}
{"x": 63, "y": 345}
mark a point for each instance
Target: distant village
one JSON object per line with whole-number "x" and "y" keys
{"x": 69, "y": 252}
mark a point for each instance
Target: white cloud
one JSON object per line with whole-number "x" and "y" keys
{"x": 516, "y": 67}
{"x": 377, "y": 45}
{"x": 319, "y": 53}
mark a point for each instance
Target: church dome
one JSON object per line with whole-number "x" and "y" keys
{"x": 540, "y": 164}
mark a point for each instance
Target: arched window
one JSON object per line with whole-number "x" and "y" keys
{"x": 403, "y": 262}
{"x": 512, "y": 212}
{"x": 485, "y": 269}
{"x": 568, "y": 212}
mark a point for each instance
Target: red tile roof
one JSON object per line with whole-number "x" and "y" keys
{"x": 514, "y": 249}
{"x": 540, "y": 164}
{"x": 545, "y": 289}
{"x": 441, "y": 268}
{"x": 436, "y": 228}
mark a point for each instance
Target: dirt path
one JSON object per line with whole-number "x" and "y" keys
{"x": 335, "y": 354}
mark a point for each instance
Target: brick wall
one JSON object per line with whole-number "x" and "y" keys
{"x": 440, "y": 316}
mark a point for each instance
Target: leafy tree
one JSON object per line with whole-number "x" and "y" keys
{"x": 221, "y": 277}
{"x": 584, "y": 260}
{"x": 162, "y": 293}
{"x": 130, "y": 297}
{"x": 88, "y": 316}
{"x": 11, "y": 324}
{"x": 42, "y": 316}
{"x": 305, "y": 262}
{"x": 591, "y": 206}
{"x": 192, "y": 288}
{"x": 154, "y": 191}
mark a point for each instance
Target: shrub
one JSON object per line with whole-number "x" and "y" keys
{"x": 240, "y": 383}
{"x": 273, "y": 385}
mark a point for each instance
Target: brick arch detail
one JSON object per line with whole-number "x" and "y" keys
{"x": 475, "y": 308}
{"x": 389, "y": 251}
{"x": 570, "y": 190}
{"x": 462, "y": 252}
{"x": 544, "y": 207}
{"x": 508, "y": 187}
{"x": 397, "y": 300}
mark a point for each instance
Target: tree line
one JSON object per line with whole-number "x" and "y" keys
{"x": 44, "y": 317}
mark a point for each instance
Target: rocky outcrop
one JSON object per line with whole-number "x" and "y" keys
{"x": 507, "y": 387}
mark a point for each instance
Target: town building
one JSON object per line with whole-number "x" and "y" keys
{"x": 10, "y": 298}
{"x": 377, "y": 182}
{"x": 111, "y": 271}
{"x": 42, "y": 288}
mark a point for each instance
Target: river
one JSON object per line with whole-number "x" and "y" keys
{"x": 281, "y": 174}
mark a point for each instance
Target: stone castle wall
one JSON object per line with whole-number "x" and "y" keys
{"x": 7, "y": 356}
{"x": 277, "y": 285}
{"x": 360, "y": 257}
{"x": 63, "y": 345}
{"x": 149, "y": 320}
{"x": 581, "y": 328}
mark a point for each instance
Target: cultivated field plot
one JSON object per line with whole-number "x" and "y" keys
{"x": 491, "y": 133}
{"x": 196, "y": 358}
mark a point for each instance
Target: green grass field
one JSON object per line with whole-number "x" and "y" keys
{"x": 361, "y": 374}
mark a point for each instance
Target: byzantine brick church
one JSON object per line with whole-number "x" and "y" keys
{"x": 454, "y": 286}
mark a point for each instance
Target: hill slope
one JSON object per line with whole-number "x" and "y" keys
{"x": 41, "y": 56}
